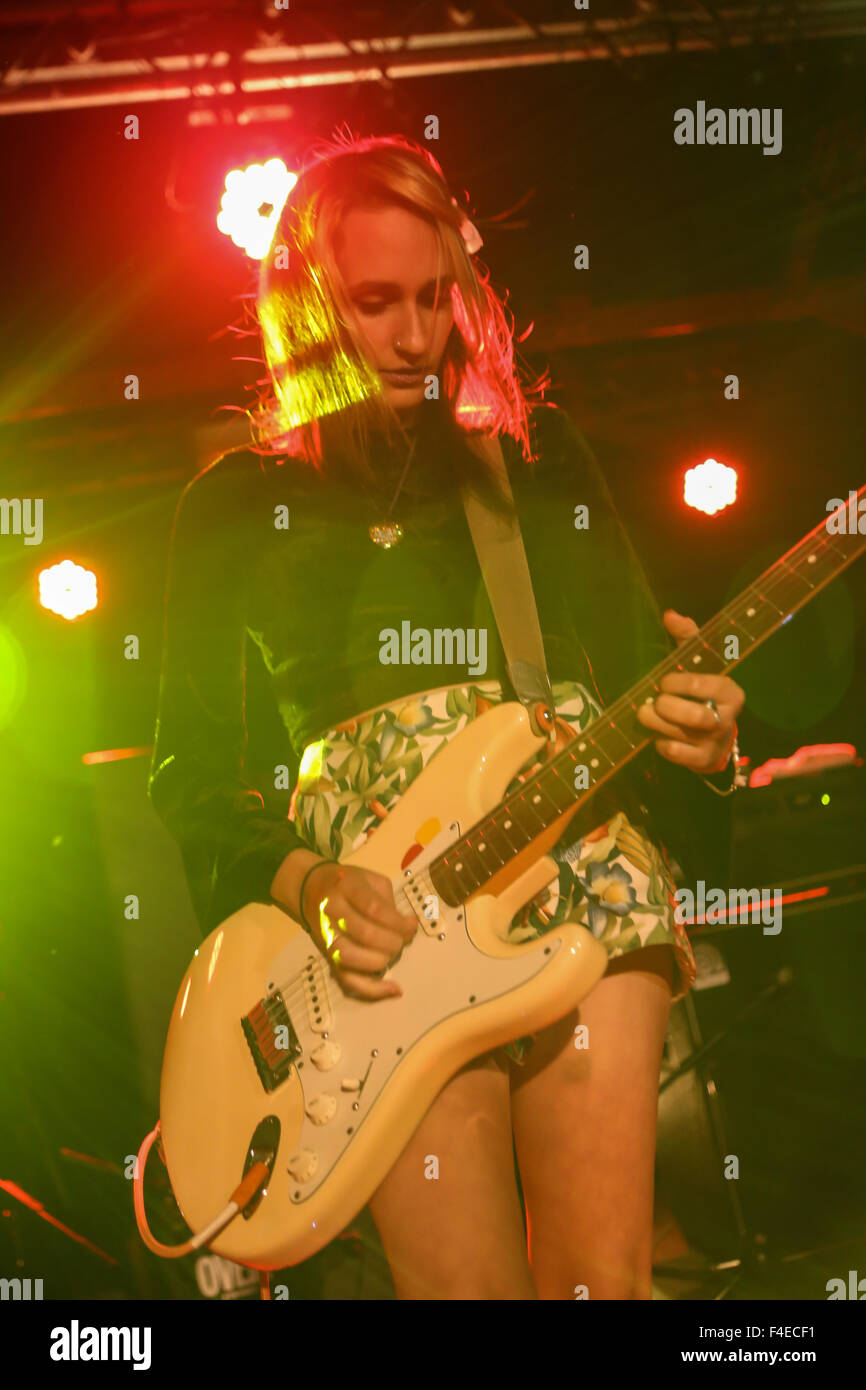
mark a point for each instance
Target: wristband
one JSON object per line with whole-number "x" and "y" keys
{"x": 311, "y": 870}
{"x": 738, "y": 780}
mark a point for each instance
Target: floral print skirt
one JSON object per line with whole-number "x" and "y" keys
{"x": 614, "y": 881}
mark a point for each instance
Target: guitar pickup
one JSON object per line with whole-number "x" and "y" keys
{"x": 271, "y": 1039}
{"x": 416, "y": 889}
{"x": 418, "y": 899}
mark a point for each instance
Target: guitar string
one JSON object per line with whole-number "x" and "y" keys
{"x": 294, "y": 989}
{"x": 297, "y": 984}
{"x": 763, "y": 593}
{"x": 692, "y": 644}
{"x": 674, "y": 660}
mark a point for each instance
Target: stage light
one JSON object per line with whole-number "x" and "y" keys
{"x": 710, "y": 487}
{"x": 251, "y": 204}
{"x": 67, "y": 589}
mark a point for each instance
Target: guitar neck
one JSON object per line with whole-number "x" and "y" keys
{"x": 617, "y": 735}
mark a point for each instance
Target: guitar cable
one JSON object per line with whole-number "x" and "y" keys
{"x": 240, "y": 1198}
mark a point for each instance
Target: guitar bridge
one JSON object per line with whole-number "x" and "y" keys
{"x": 271, "y": 1039}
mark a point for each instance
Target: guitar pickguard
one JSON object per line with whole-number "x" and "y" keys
{"x": 345, "y": 1068}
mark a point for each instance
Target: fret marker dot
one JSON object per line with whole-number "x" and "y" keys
{"x": 696, "y": 659}
{"x": 536, "y": 799}
{"x": 810, "y": 559}
{"x": 459, "y": 868}
{"x": 581, "y": 746}
{"x": 593, "y": 762}
{"x": 507, "y": 825}
{"x": 482, "y": 847}
{"x": 750, "y": 612}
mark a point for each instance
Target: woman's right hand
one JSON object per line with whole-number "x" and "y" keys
{"x": 372, "y": 933}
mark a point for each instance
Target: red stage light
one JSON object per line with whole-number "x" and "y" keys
{"x": 251, "y": 204}
{"x": 710, "y": 487}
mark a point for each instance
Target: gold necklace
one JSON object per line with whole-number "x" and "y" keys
{"x": 388, "y": 533}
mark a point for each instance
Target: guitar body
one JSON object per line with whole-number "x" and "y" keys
{"x": 267, "y": 1058}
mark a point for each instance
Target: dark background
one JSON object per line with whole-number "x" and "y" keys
{"x": 704, "y": 261}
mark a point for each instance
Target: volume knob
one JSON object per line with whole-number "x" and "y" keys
{"x": 326, "y": 1055}
{"x": 303, "y": 1164}
{"x": 322, "y": 1108}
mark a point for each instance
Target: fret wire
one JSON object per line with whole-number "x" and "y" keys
{"x": 716, "y": 636}
{"x": 736, "y": 620}
{"x": 764, "y": 599}
{"x": 505, "y": 830}
{"x": 834, "y": 543}
{"x": 549, "y": 770}
{"x": 719, "y": 656}
{"x": 822, "y": 551}
{"x": 524, "y": 801}
{"x": 568, "y": 783}
{"x": 551, "y": 810}
{"x": 827, "y": 542}
{"x": 598, "y": 747}
{"x": 539, "y": 788}
{"x": 568, "y": 752}
{"x": 470, "y": 853}
{"x": 494, "y": 832}
{"x": 823, "y": 544}
{"x": 577, "y": 760}
{"x": 615, "y": 725}
{"x": 568, "y": 772}
{"x": 802, "y": 578}
{"x": 750, "y": 613}
{"x": 459, "y": 877}
{"x": 485, "y": 836}
{"x": 486, "y": 839}
{"x": 577, "y": 756}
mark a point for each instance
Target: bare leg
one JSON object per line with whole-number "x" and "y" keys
{"x": 585, "y": 1132}
{"x": 458, "y": 1236}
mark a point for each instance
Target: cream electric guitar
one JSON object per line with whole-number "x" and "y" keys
{"x": 268, "y": 1062}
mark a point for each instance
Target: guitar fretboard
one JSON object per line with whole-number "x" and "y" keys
{"x": 617, "y": 735}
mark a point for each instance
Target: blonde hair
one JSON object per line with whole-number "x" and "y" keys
{"x": 324, "y": 395}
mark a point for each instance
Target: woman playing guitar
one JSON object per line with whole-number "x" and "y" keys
{"x": 386, "y": 348}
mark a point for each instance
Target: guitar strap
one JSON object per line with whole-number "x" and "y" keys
{"x": 502, "y": 557}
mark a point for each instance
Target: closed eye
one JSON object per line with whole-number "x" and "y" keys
{"x": 427, "y": 298}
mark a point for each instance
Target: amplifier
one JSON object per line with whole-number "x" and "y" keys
{"x": 799, "y": 841}
{"x": 811, "y": 823}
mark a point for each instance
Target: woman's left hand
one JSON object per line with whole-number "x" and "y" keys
{"x": 690, "y": 733}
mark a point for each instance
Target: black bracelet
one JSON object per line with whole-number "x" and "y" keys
{"x": 311, "y": 870}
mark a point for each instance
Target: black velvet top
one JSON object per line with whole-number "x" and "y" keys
{"x": 272, "y": 551}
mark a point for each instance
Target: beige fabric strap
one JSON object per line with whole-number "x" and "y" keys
{"x": 502, "y": 557}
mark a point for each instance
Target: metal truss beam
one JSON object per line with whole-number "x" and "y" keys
{"x": 145, "y": 74}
